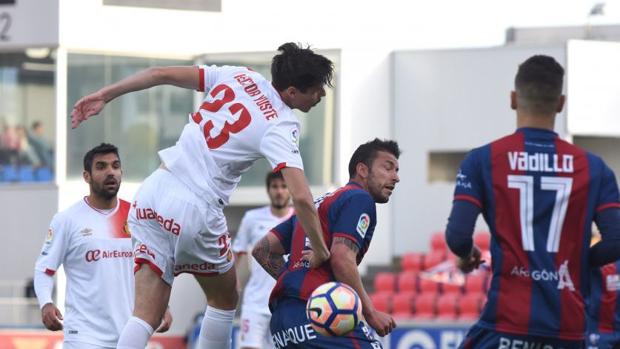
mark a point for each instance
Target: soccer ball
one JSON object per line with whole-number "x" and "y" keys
{"x": 334, "y": 309}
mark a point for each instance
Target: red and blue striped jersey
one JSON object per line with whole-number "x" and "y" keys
{"x": 539, "y": 196}
{"x": 348, "y": 212}
{"x": 604, "y": 304}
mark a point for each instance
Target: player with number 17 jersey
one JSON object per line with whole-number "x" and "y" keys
{"x": 539, "y": 195}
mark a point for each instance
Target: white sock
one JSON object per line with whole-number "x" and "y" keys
{"x": 135, "y": 335}
{"x": 216, "y": 329}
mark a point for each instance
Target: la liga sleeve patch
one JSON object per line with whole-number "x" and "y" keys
{"x": 362, "y": 224}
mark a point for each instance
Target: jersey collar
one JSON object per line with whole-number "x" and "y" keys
{"x": 540, "y": 132}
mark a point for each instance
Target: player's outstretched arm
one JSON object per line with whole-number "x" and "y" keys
{"x": 345, "y": 270}
{"x": 306, "y": 212}
{"x": 186, "y": 77}
{"x": 269, "y": 253}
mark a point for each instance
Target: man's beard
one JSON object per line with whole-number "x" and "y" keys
{"x": 101, "y": 192}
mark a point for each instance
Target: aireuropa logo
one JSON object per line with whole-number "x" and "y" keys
{"x": 95, "y": 255}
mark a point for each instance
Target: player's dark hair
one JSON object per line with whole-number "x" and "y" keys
{"x": 367, "y": 152}
{"x": 272, "y": 176}
{"x": 538, "y": 83}
{"x": 103, "y": 148}
{"x": 300, "y": 67}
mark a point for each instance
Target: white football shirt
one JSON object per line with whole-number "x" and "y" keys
{"x": 96, "y": 251}
{"x": 241, "y": 120}
{"x": 254, "y": 225}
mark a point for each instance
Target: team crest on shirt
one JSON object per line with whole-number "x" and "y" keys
{"x": 362, "y": 224}
{"x": 295, "y": 136}
{"x": 126, "y": 229}
{"x": 86, "y": 232}
{"x": 49, "y": 235}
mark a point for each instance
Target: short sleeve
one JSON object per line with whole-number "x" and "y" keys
{"x": 209, "y": 75}
{"x": 54, "y": 247}
{"x": 242, "y": 240}
{"x": 469, "y": 180}
{"x": 284, "y": 232}
{"x": 355, "y": 219}
{"x": 608, "y": 196}
{"x": 280, "y": 146}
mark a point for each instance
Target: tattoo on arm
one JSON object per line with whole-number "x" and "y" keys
{"x": 348, "y": 243}
{"x": 271, "y": 262}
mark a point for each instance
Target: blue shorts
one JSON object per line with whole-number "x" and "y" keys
{"x": 291, "y": 329}
{"x": 482, "y": 338}
{"x": 595, "y": 340}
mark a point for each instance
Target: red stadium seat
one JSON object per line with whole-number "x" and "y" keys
{"x": 438, "y": 242}
{"x": 475, "y": 282}
{"x": 412, "y": 261}
{"x": 470, "y": 306}
{"x": 382, "y": 301}
{"x": 446, "y": 307}
{"x": 402, "y": 305}
{"x": 408, "y": 281}
{"x": 424, "y": 305}
{"x": 451, "y": 288}
{"x": 385, "y": 282}
{"x": 427, "y": 286}
{"x": 433, "y": 258}
{"x": 482, "y": 240}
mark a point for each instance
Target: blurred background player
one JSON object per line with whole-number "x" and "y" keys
{"x": 255, "y": 314}
{"x": 91, "y": 240}
{"x": 539, "y": 196}
{"x": 178, "y": 224}
{"x": 604, "y": 307}
{"x": 348, "y": 216}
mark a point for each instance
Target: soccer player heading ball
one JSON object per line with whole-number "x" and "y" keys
{"x": 177, "y": 221}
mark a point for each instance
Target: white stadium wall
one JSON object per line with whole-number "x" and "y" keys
{"x": 25, "y": 213}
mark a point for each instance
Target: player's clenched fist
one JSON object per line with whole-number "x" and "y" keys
{"x": 87, "y": 107}
{"x": 467, "y": 265}
{"x": 51, "y": 317}
{"x": 381, "y": 322}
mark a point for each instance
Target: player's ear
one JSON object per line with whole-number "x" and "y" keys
{"x": 561, "y": 104}
{"x": 362, "y": 170}
{"x": 513, "y": 100}
{"x": 86, "y": 176}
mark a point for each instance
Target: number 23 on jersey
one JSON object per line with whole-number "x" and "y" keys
{"x": 222, "y": 95}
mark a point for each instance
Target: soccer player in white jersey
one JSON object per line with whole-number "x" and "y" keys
{"x": 91, "y": 240}
{"x": 177, "y": 221}
{"x": 255, "y": 314}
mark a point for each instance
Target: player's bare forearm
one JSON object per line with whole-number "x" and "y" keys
{"x": 345, "y": 269}
{"x": 269, "y": 253}
{"x": 186, "y": 77}
{"x": 306, "y": 212}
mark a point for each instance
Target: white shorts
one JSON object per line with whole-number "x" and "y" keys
{"x": 174, "y": 231}
{"x": 82, "y": 345}
{"x": 255, "y": 331}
